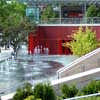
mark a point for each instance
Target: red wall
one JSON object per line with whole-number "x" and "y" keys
{"x": 52, "y": 37}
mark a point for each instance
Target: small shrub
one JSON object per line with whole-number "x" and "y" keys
{"x": 31, "y": 98}
{"x": 68, "y": 91}
{"x": 19, "y": 95}
{"x": 98, "y": 86}
{"x": 38, "y": 91}
{"x": 24, "y": 92}
{"x": 90, "y": 88}
{"x": 79, "y": 93}
{"x": 65, "y": 90}
{"x": 73, "y": 91}
{"x": 44, "y": 91}
{"x": 59, "y": 98}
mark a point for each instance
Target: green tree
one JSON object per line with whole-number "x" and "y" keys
{"x": 92, "y": 11}
{"x": 14, "y": 24}
{"x": 17, "y": 31}
{"x": 48, "y": 13}
{"x": 98, "y": 12}
{"x": 83, "y": 42}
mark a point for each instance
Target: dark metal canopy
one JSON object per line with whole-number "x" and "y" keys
{"x": 60, "y": 1}
{"x": 67, "y": 2}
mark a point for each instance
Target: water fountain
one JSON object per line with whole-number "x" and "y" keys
{"x": 32, "y": 68}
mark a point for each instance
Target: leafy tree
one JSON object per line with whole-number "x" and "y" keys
{"x": 17, "y": 32}
{"x": 92, "y": 11}
{"x": 14, "y": 24}
{"x": 98, "y": 12}
{"x": 48, "y": 13}
{"x": 83, "y": 42}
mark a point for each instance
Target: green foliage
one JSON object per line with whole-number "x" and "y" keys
{"x": 98, "y": 12}
{"x": 44, "y": 91}
{"x": 65, "y": 90}
{"x": 90, "y": 88}
{"x": 31, "y": 98}
{"x": 83, "y": 42}
{"x": 24, "y": 92}
{"x": 98, "y": 86}
{"x": 59, "y": 98}
{"x": 13, "y": 23}
{"x": 92, "y": 98}
{"x": 92, "y": 11}
{"x": 79, "y": 93}
{"x": 48, "y": 13}
{"x": 68, "y": 91}
{"x": 71, "y": 91}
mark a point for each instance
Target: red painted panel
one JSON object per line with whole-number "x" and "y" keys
{"x": 52, "y": 37}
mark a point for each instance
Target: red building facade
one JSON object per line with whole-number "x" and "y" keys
{"x": 49, "y": 39}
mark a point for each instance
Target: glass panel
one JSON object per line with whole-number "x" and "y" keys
{"x": 33, "y": 12}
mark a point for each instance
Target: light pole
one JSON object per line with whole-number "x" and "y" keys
{"x": 0, "y": 40}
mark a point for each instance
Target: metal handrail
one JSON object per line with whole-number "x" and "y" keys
{"x": 75, "y": 76}
{"x": 79, "y": 60}
{"x": 84, "y": 20}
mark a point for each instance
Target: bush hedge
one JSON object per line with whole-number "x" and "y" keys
{"x": 68, "y": 91}
{"x": 31, "y": 98}
{"x": 23, "y": 92}
{"x": 92, "y": 87}
{"x": 44, "y": 91}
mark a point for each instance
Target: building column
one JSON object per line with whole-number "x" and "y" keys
{"x": 85, "y": 18}
{"x": 60, "y": 13}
